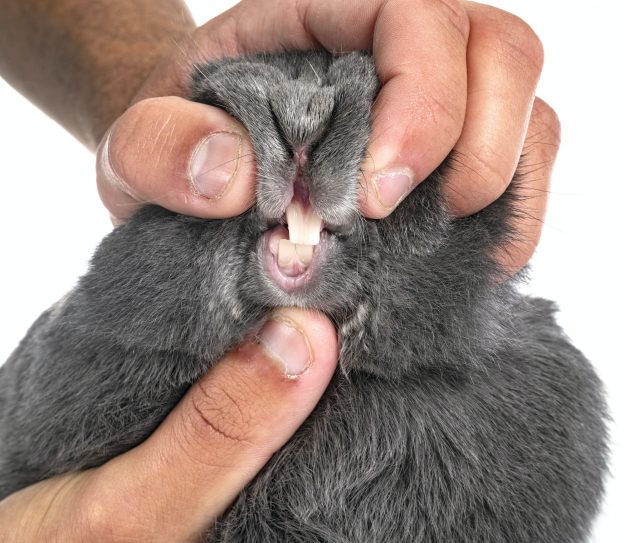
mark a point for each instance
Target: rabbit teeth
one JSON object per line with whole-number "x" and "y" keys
{"x": 288, "y": 251}
{"x": 290, "y": 265}
{"x": 293, "y": 258}
{"x": 304, "y": 225}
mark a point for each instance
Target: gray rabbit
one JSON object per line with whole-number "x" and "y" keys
{"x": 460, "y": 411}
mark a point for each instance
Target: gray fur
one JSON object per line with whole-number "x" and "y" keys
{"x": 460, "y": 413}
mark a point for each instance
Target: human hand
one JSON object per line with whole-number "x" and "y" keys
{"x": 175, "y": 484}
{"x": 456, "y": 76}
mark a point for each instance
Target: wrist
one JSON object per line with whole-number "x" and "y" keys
{"x": 82, "y": 62}
{"x": 119, "y": 73}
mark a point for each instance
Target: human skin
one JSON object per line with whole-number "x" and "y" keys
{"x": 456, "y": 76}
{"x": 173, "y": 485}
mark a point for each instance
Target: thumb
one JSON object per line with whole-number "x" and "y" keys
{"x": 187, "y": 157}
{"x": 221, "y": 434}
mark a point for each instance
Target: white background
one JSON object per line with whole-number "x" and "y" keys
{"x": 51, "y": 218}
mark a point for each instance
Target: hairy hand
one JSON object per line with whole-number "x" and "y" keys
{"x": 456, "y": 76}
{"x": 173, "y": 486}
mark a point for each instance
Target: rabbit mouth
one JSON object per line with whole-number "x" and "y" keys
{"x": 290, "y": 265}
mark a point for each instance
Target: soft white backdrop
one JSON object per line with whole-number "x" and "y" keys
{"x": 51, "y": 217}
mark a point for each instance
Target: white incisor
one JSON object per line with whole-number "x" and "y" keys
{"x": 304, "y": 231}
{"x": 304, "y": 226}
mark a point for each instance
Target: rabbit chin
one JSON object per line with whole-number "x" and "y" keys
{"x": 296, "y": 270}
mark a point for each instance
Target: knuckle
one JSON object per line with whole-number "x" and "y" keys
{"x": 487, "y": 170}
{"x": 101, "y": 525}
{"x": 105, "y": 516}
{"x": 516, "y": 255}
{"x": 148, "y": 106}
{"x": 524, "y": 243}
{"x": 438, "y": 109}
{"x": 519, "y": 42}
{"x": 476, "y": 178}
{"x": 218, "y": 413}
{"x": 140, "y": 143}
{"x": 546, "y": 123}
{"x": 454, "y": 14}
{"x": 134, "y": 119}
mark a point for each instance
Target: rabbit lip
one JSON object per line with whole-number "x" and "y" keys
{"x": 290, "y": 265}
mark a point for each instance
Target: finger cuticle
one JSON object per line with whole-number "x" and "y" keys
{"x": 392, "y": 186}
{"x": 287, "y": 344}
{"x": 215, "y": 163}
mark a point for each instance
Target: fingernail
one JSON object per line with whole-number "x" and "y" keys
{"x": 214, "y": 163}
{"x": 391, "y": 186}
{"x": 286, "y": 343}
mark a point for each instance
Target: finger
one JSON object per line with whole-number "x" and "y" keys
{"x": 420, "y": 54}
{"x": 46, "y": 511}
{"x": 187, "y": 157}
{"x": 535, "y": 172}
{"x": 221, "y": 433}
{"x": 505, "y": 59}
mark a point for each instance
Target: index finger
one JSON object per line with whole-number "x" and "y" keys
{"x": 419, "y": 48}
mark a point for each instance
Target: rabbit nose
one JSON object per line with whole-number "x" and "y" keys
{"x": 301, "y": 113}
